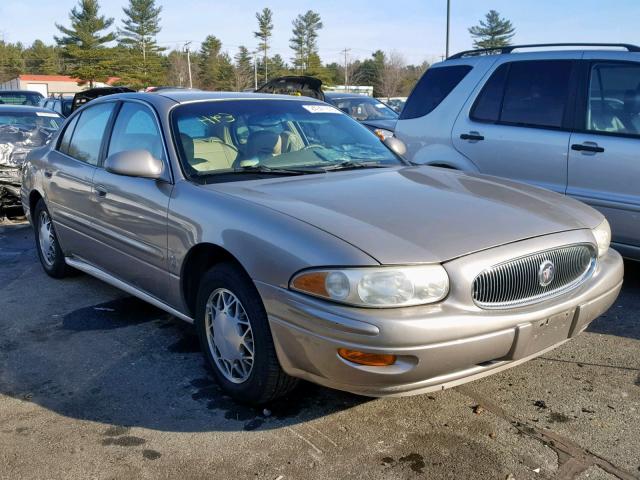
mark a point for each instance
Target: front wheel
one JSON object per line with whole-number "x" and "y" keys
{"x": 236, "y": 339}
{"x": 47, "y": 245}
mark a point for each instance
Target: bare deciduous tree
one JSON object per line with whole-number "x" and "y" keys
{"x": 392, "y": 75}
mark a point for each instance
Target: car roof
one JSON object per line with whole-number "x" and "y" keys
{"x": 188, "y": 96}
{"x": 4, "y": 108}
{"x": 182, "y": 96}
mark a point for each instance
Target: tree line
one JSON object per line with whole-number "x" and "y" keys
{"x": 92, "y": 48}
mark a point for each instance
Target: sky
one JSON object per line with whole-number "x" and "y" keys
{"x": 414, "y": 28}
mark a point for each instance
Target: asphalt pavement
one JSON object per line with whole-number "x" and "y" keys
{"x": 97, "y": 384}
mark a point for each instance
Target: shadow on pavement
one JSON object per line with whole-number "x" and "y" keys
{"x": 126, "y": 363}
{"x": 622, "y": 318}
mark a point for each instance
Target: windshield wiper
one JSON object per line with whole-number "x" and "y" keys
{"x": 351, "y": 165}
{"x": 271, "y": 170}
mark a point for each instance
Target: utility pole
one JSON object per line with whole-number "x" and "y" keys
{"x": 255, "y": 70}
{"x": 448, "y": 26}
{"x": 186, "y": 46}
{"x": 346, "y": 68}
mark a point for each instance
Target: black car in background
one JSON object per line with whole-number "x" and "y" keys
{"x": 21, "y": 97}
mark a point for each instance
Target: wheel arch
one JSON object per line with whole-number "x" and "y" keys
{"x": 439, "y": 155}
{"x": 199, "y": 259}
{"x": 34, "y": 197}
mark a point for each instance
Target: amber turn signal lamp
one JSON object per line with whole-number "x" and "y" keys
{"x": 363, "y": 358}
{"x": 311, "y": 283}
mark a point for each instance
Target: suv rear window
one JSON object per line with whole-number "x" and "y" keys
{"x": 434, "y": 86}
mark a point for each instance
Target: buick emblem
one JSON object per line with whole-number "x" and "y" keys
{"x": 546, "y": 273}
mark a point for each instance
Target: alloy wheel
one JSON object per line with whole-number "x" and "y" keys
{"x": 229, "y": 335}
{"x": 47, "y": 239}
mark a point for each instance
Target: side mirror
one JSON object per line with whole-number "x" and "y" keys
{"x": 134, "y": 163}
{"x": 396, "y": 145}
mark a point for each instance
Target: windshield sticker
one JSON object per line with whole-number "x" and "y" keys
{"x": 379, "y": 105}
{"x": 47, "y": 114}
{"x": 320, "y": 109}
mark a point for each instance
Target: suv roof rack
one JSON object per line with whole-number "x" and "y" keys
{"x": 511, "y": 48}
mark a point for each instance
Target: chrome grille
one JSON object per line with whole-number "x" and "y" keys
{"x": 516, "y": 282}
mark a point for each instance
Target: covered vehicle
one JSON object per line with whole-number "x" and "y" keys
{"x": 22, "y": 129}
{"x": 297, "y": 85}
{"x": 21, "y": 97}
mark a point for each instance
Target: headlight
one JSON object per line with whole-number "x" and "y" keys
{"x": 381, "y": 287}
{"x": 603, "y": 237}
{"x": 382, "y": 133}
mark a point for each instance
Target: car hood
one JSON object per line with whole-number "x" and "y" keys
{"x": 417, "y": 214}
{"x": 386, "y": 124}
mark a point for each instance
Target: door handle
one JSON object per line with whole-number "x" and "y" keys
{"x": 473, "y": 136}
{"x": 48, "y": 173}
{"x": 100, "y": 191}
{"x": 587, "y": 147}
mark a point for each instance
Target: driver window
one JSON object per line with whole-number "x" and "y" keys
{"x": 136, "y": 129}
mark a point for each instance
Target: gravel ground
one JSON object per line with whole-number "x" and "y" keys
{"x": 96, "y": 384}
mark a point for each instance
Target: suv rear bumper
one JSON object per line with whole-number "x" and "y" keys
{"x": 307, "y": 334}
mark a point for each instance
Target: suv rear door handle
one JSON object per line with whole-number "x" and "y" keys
{"x": 587, "y": 147}
{"x": 474, "y": 136}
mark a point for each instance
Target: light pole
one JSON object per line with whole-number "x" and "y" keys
{"x": 186, "y": 46}
{"x": 446, "y": 55}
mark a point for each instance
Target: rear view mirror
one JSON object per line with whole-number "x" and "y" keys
{"x": 396, "y": 145}
{"x": 134, "y": 163}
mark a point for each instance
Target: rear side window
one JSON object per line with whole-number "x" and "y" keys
{"x": 87, "y": 137}
{"x": 528, "y": 93}
{"x": 434, "y": 86}
{"x": 66, "y": 136}
{"x": 489, "y": 102}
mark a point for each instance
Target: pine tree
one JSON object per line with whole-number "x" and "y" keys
{"x": 265, "y": 30}
{"x": 41, "y": 59}
{"x": 209, "y": 62}
{"x": 144, "y": 64}
{"x": 304, "y": 41}
{"x": 296, "y": 42}
{"x": 84, "y": 44}
{"x": 278, "y": 66}
{"x": 492, "y": 32}
{"x": 243, "y": 69}
{"x": 12, "y": 62}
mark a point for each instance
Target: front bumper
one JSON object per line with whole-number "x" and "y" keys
{"x": 437, "y": 346}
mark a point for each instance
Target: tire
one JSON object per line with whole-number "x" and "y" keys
{"x": 51, "y": 255}
{"x": 251, "y": 377}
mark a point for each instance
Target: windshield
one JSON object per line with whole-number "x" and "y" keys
{"x": 48, "y": 120}
{"x": 365, "y": 108}
{"x": 236, "y": 135}
{"x": 21, "y": 98}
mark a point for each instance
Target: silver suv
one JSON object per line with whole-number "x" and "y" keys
{"x": 564, "y": 120}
